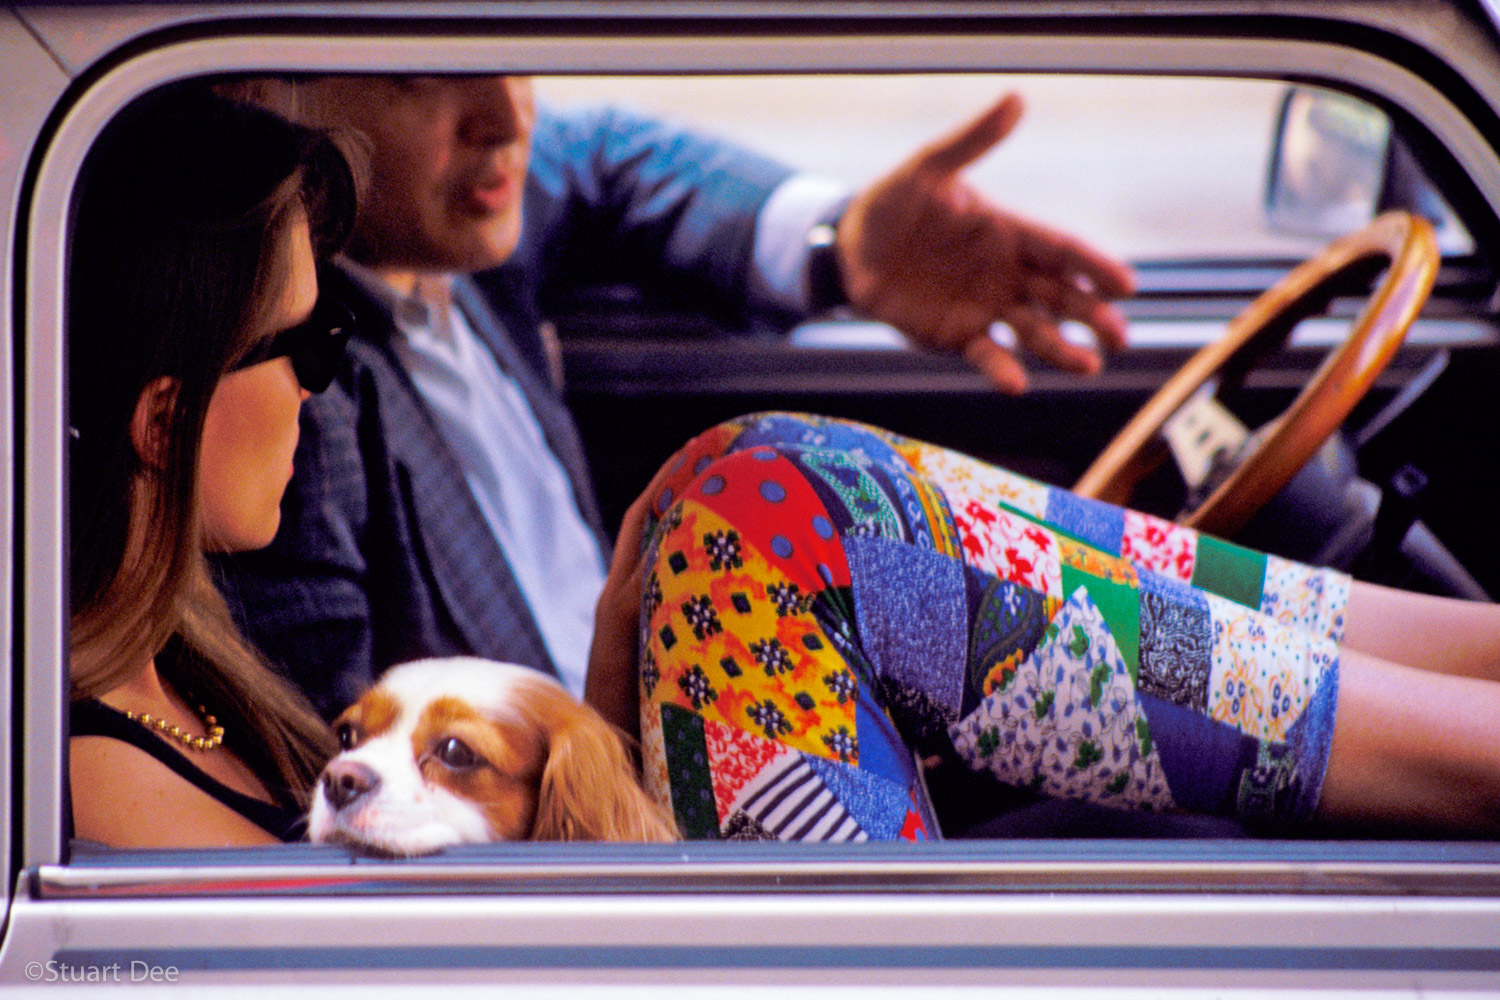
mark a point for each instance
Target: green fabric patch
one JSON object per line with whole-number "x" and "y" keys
{"x": 687, "y": 768}
{"x": 1120, "y": 606}
{"x": 1234, "y": 573}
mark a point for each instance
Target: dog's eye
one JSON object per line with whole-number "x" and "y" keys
{"x": 455, "y": 753}
{"x": 347, "y": 735}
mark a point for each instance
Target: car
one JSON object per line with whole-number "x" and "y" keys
{"x": 1216, "y": 143}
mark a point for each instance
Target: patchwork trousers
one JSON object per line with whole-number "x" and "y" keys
{"x": 830, "y": 607}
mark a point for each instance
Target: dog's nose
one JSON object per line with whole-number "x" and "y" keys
{"x": 344, "y": 781}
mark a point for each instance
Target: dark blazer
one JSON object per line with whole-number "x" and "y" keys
{"x": 383, "y": 555}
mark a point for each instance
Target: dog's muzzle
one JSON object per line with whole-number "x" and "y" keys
{"x": 347, "y": 781}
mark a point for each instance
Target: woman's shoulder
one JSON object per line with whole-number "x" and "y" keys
{"x": 125, "y": 796}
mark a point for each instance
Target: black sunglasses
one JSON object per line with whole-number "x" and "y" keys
{"x": 315, "y": 345}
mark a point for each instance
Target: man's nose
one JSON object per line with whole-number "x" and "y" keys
{"x": 497, "y": 111}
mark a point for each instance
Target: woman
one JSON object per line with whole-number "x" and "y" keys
{"x": 194, "y": 335}
{"x": 831, "y": 610}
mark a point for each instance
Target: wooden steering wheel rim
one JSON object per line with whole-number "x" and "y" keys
{"x": 1408, "y": 243}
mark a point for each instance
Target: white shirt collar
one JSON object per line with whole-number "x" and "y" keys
{"x": 424, "y": 313}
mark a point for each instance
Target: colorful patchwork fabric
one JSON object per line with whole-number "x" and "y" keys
{"x": 830, "y": 605}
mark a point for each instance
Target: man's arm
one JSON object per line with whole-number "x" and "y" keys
{"x": 623, "y": 198}
{"x": 616, "y": 198}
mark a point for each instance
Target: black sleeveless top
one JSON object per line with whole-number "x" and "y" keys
{"x": 91, "y": 717}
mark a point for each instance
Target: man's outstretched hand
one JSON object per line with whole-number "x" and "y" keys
{"x": 924, "y": 251}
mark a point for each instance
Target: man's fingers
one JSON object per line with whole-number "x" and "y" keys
{"x": 1063, "y": 301}
{"x": 1040, "y": 335}
{"x": 1109, "y": 323}
{"x": 1110, "y": 278}
{"x": 1056, "y": 253}
{"x": 964, "y": 145}
{"x": 997, "y": 364}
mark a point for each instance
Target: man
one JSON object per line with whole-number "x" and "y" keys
{"x": 441, "y": 504}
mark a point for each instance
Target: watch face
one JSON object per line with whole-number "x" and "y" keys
{"x": 822, "y": 235}
{"x": 825, "y": 281}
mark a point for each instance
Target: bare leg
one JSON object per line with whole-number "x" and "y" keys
{"x": 1413, "y": 747}
{"x": 1433, "y": 633}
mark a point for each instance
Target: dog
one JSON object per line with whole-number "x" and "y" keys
{"x": 462, "y": 750}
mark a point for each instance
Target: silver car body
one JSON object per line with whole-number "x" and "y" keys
{"x": 1203, "y": 918}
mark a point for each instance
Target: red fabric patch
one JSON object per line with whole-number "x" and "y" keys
{"x": 743, "y": 489}
{"x": 734, "y": 758}
{"x": 913, "y": 828}
{"x": 682, "y": 468}
{"x": 1159, "y": 545}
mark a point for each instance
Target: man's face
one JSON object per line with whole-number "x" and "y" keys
{"x": 448, "y": 165}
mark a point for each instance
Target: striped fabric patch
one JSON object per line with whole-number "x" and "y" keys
{"x": 790, "y": 800}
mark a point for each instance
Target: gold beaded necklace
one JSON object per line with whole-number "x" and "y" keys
{"x": 213, "y": 740}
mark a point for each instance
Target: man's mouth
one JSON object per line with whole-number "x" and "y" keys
{"x": 488, "y": 196}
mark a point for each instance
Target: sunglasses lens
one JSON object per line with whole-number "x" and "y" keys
{"x": 316, "y": 363}
{"x": 315, "y": 360}
{"x": 315, "y": 346}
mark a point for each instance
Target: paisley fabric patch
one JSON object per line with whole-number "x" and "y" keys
{"x": 1176, "y": 648}
{"x": 1068, "y": 724}
{"x": 1007, "y": 625}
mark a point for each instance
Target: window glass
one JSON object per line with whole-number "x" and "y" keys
{"x": 1149, "y": 168}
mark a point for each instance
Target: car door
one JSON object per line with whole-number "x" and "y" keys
{"x": 1035, "y": 911}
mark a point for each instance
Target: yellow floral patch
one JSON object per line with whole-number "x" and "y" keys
{"x": 731, "y": 639}
{"x": 1090, "y": 560}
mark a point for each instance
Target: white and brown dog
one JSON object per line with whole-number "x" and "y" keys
{"x": 462, "y": 751}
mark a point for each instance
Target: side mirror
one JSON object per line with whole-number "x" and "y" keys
{"x": 1329, "y": 164}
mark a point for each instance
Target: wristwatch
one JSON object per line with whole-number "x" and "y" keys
{"x": 825, "y": 278}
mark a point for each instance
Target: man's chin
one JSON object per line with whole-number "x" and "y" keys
{"x": 474, "y": 242}
{"x": 456, "y": 249}
{"x": 485, "y": 250}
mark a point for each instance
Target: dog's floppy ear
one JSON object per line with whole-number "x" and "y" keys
{"x": 589, "y": 789}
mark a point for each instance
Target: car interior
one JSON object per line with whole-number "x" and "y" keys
{"x": 1214, "y": 188}
{"x": 1387, "y": 496}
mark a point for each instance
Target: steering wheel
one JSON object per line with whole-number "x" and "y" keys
{"x": 1404, "y": 241}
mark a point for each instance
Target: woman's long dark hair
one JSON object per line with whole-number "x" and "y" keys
{"x": 178, "y": 254}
